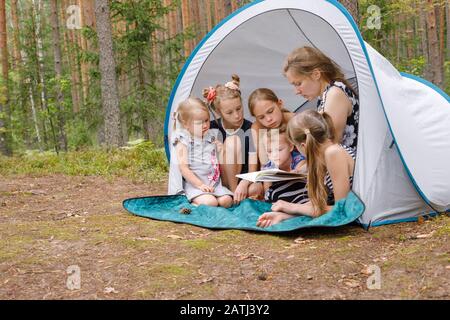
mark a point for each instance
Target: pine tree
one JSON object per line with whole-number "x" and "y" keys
{"x": 110, "y": 99}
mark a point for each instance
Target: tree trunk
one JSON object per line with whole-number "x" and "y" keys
{"x": 185, "y": 12}
{"x": 209, "y": 19}
{"x": 423, "y": 38}
{"x": 110, "y": 99}
{"x": 218, "y": 11}
{"x": 83, "y": 45}
{"x": 441, "y": 11}
{"x": 62, "y": 139}
{"x": 16, "y": 40}
{"x": 35, "y": 119}
{"x": 447, "y": 13}
{"x": 435, "y": 61}
{"x": 68, "y": 54}
{"x": 196, "y": 22}
{"x": 234, "y": 5}
{"x": 4, "y": 99}
{"x": 352, "y": 7}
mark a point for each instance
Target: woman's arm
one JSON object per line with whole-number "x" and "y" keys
{"x": 339, "y": 107}
{"x": 182, "y": 156}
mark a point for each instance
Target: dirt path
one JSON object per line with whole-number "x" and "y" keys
{"x": 50, "y": 223}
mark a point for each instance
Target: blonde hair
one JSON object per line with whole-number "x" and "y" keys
{"x": 305, "y": 60}
{"x": 187, "y": 107}
{"x": 313, "y": 129}
{"x": 223, "y": 92}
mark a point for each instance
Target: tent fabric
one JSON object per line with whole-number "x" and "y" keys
{"x": 243, "y": 216}
{"x": 401, "y": 169}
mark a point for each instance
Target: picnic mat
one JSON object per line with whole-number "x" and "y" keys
{"x": 176, "y": 208}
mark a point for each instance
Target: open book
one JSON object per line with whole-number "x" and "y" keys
{"x": 271, "y": 175}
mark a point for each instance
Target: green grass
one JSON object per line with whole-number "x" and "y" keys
{"x": 142, "y": 162}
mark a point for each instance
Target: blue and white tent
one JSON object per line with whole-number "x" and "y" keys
{"x": 402, "y": 167}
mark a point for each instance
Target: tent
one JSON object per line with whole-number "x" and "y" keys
{"x": 402, "y": 167}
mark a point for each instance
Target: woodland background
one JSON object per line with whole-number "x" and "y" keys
{"x": 54, "y": 55}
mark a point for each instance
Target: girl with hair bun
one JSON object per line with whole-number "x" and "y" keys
{"x": 237, "y": 155}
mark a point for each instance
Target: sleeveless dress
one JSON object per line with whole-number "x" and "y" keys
{"x": 204, "y": 163}
{"x": 245, "y": 135}
{"x": 350, "y": 136}
{"x": 297, "y": 192}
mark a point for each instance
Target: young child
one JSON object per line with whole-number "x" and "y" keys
{"x": 234, "y": 131}
{"x": 197, "y": 155}
{"x": 330, "y": 168}
{"x": 283, "y": 155}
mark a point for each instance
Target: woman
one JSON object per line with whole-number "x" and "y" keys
{"x": 314, "y": 75}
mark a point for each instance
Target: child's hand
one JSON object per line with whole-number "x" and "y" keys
{"x": 206, "y": 188}
{"x": 219, "y": 145}
{"x": 301, "y": 167}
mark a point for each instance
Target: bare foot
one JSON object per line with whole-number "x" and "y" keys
{"x": 270, "y": 218}
{"x": 284, "y": 206}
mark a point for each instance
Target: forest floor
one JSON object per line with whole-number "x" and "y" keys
{"x": 52, "y": 222}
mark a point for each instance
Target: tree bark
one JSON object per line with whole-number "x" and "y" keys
{"x": 352, "y": 7}
{"x": 16, "y": 45}
{"x": 83, "y": 45}
{"x": 234, "y": 5}
{"x": 70, "y": 60}
{"x": 41, "y": 69}
{"x": 435, "y": 61}
{"x": 209, "y": 19}
{"x": 185, "y": 12}
{"x": 62, "y": 139}
{"x": 110, "y": 99}
{"x": 447, "y": 13}
{"x": 4, "y": 98}
{"x": 218, "y": 11}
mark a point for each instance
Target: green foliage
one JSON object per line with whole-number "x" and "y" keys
{"x": 142, "y": 162}
{"x": 79, "y": 135}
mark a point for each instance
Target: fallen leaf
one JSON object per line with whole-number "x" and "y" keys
{"x": 110, "y": 290}
{"x": 249, "y": 256}
{"x": 206, "y": 280}
{"x": 262, "y": 276}
{"x": 425, "y": 236}
{"x": 420, "y": 220}
{"x": 290, "y": 257}
{"x": 175, "y": 237}
{"x": 351, "y": 283}
{"x": 300, "y": 240}
{"x": 146, "y": 239}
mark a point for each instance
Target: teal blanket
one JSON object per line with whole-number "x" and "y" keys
{"x": 242, "y": 216}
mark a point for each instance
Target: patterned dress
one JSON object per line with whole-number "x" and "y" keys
{"x": 204, "y": 163}
{"x": 350, "y": 136}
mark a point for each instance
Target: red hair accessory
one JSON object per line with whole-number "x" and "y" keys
{"x": 211, "y": 95}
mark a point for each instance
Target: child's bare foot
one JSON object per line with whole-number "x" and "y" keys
{"x": 270, "y": 218}
{"x": 225, "y": 201}
{"x": 284, "y": 206}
